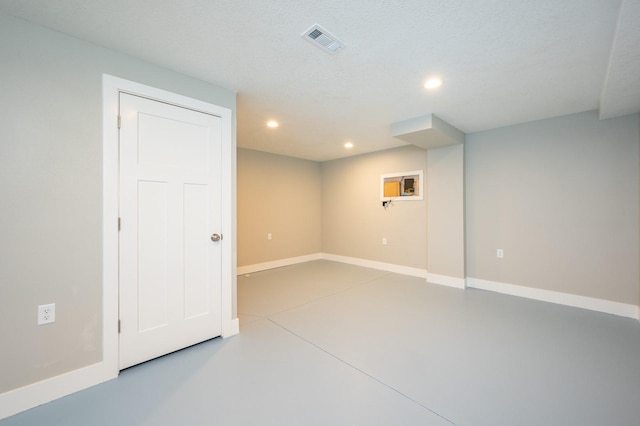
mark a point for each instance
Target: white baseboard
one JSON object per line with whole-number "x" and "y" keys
{"x": 599, "y": 305}
{"x": 30, "y": 396}
{"x": 446, "y": 280}
{"x": 242, "y": 270}
{"x": 389, "y": 267}
{"x": 232, "y": 329}
{"x": 24, "y": 398}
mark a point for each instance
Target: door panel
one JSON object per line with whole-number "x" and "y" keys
{"x": 153, "y": 255}
{"x": 196, "y": 268}
{"x": 170, "y": 270}
{"x": 156, "y": 145}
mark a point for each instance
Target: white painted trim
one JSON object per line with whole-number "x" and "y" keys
{"x": 389, "y": 267}
{"x": 110, "y": 212}
{"x": 599, "y": 305}
{"x": 398, "y": 269}
{"x": 230, "y": 325}
{"x": 242, "y": 270}
{"x": 24, "y": 398}
{"x": 593, "y": 304}
{"x": 446, "y": 280}
{"x": 231, "y": 328}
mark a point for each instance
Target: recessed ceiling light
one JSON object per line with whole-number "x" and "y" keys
{"x": 433, "y": 83}
{"x": 273, "y": 124}
{"x": 348, "y": 145}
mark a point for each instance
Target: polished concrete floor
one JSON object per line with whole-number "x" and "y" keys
{"x": 326, "y": 343}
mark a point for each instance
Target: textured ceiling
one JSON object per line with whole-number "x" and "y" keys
{"x": 503, "y": 61}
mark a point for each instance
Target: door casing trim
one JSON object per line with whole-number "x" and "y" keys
{"x": 111, "y": 88}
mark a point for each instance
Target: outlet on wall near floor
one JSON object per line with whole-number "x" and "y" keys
{"x": 499, "y": 253}
{"x": 384, "y": 241}
{"x": 269, "y": 236}
{"x": 46, "y": 313}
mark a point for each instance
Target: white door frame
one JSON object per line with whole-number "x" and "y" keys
{"x": 111, "y": 87}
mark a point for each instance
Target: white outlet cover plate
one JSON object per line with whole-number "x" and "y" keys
{"x": 46, "y": 313}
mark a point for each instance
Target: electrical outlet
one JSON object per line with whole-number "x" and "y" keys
{"x": 500, "y": 253}
{"x": 384, "y": 241}
{"x": 269, "y": 236}
{"x": 46, "y": 313}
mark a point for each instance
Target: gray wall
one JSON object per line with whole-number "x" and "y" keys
{"x": 278, "y": 195}
{"x": 561, "y": 198}
{"x": 445, "y": 212}
{"x": 51, "y": 192}
{"x": 353, "y": 220}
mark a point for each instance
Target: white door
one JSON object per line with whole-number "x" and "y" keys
{"x": 170, "y": 267}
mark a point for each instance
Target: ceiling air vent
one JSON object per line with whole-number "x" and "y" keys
{"x": 321, "y": 38}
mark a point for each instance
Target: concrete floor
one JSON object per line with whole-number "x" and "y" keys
{"x": 324, "y": 343}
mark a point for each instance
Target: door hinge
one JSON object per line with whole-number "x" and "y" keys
{"x": 119, "y": 224}
{"x": 118, "y": 326}
{"x": 119, "y": 121}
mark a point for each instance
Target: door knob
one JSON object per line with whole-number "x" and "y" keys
{"x": 216, "y": 237}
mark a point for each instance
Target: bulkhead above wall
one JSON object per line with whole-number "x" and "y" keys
{"x": 427, "y": 131}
